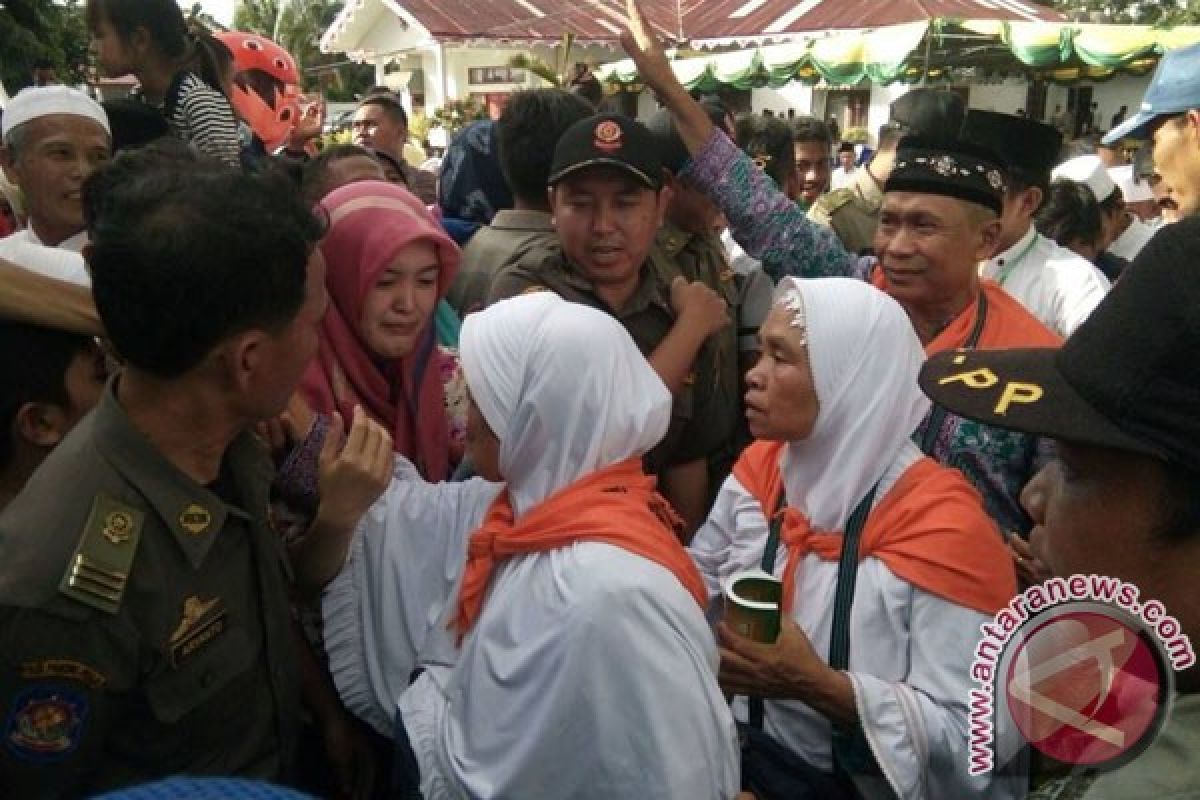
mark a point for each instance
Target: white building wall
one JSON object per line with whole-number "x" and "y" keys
{"x": 1005, "y": 97}
{"x": 1124, "y": 90}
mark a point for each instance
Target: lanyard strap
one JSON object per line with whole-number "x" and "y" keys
{"x": 839, "y": 640}
{"x": 937, "y": 416}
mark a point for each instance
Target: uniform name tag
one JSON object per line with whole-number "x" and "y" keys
{"x": 203, "y": 621}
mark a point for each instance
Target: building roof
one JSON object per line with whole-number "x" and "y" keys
{"x": 698, "y": 21}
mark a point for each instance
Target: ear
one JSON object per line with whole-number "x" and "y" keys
{"x": 245, "y": 356}
{"x": 989, "y": 236}
{"x": 1031, "y": 200}
{"x": 9, "y": 166}
{"x": 663, "y": 202}
{"x": 141, "y": 40}
{"x": 41, "y": 424}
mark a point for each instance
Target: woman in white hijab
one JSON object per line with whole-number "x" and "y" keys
{"x": 833, "y": 404}
{"x": 587, "y": 668}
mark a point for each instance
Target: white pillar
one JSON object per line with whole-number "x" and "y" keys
{"x": 380, "y": 69}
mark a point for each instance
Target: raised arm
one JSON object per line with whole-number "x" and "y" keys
{"x": 768, "y": 225}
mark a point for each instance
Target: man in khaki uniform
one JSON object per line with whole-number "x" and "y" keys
{"x": 144, "y": 620}
{"x": 532, "y": 122}
{"x": 608, "y": 205}
{"x": 853, "y": 212}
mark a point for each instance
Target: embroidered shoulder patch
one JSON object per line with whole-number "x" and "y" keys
{"x": 46, "y": 723}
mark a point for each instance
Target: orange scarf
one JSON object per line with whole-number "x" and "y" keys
{"x": 1008, "y": 323}
{"x": 929, "y": 529}
{"x": 616, "y": 505}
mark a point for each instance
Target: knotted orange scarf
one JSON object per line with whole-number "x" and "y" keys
{"x": 616, "y": 505}
{"x": 929, "y": 529}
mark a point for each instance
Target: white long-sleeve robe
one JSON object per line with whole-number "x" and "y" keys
{"x": 910, "y": 659}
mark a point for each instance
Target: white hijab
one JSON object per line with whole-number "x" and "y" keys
{"x": 564, "y": 388}
{"x": 864, "y": 356}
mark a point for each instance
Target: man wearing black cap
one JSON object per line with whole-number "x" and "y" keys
{"x": 1122, "y": 498}
{"x": 608, "y": 203}
{"x": 852, "y": 212}
{"x": 1058, "y": 286}
{"x": 940, "y": 218}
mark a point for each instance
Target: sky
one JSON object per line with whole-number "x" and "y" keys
{"x": 222, "y": 10}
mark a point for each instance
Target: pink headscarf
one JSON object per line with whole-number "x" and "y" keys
{"x": 369, "y": 223}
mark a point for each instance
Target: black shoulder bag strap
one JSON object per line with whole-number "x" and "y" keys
{"x": 839, "y": 640}
{"x": 937, "y": 416}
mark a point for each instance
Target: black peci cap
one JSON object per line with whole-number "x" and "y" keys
{"x": 934, "y": 166}
{"x": 609, "y": 140}
{"x": 1022, "y": 143}
{"x": 928, "y": 112}
{"x": 1127, "y": 378}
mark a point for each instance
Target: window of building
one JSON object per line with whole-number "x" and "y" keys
{"x": 486, "y": 75}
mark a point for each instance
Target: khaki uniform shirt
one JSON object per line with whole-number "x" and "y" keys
{"x": 506, "y": 241}
{"x": 702, "y": 416}
{"x": 852, "y": 213}
{"x": 144, "y": 619}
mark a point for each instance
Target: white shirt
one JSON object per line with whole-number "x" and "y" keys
{"x": 1132, "y": 239}
{"x": 910, "y": 660}
{"x": 1056, "y": 285}
{"x": 74, "y": 243}
{"x": 63, "y": 263}
{"x": 841, "y": 178}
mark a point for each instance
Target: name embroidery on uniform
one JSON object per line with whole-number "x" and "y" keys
{"x": 46, "y": 723}
{"x": 62, "y": 669}
{"x": 203, "y": 621}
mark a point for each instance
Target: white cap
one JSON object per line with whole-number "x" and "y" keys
{"x": 1088, "y": 170}
{"x": 41, "y": 101}
{"x": 1134, "y": 191}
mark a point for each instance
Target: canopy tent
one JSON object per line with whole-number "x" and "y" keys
{"x": 933, "y": 49}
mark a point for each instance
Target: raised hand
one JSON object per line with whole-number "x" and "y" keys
{"x": 353, "y": 476}
{"x": 698, "y": 306}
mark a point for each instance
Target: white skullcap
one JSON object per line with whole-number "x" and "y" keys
{"x": 41, "y": 101}
{"x": 1087, "y": 170}
{"x": 1134, "y": 191}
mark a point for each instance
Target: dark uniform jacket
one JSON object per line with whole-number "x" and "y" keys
{"x": 705, "y": 411}
{"x": 144, "y": 622}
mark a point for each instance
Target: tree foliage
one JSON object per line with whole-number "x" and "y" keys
{"x": 1142, "y": 12}
{"x": 297, "y": 26}
{"x": 32, "y": 30}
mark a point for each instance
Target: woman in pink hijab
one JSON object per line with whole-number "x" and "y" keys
{"x": 387, "y": 262}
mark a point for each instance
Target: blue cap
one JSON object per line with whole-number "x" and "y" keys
{"x": 1172, "y": 90}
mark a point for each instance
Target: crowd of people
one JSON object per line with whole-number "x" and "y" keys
{"x": 323, "y": 470}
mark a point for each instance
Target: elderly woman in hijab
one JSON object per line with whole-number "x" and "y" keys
{"x": 888, "y": 562}
{"x": 559, "y": 622}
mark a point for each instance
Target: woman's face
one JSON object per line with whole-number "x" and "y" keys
{"x": 483, "y": 448}
{"x": 400, "y": 303}
{"x": 781, "y": 400}
{"x": 113, "y": 54}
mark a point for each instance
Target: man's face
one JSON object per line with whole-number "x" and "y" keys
{"x": 846, "y": 158}
{"x": 1177, "y": 160}
{"x": 57, "y": 153}
{"x": 812, "y": 170}
{"x": 606, "y": 221}
{"x": 929, "y": 246}
{"x": 691, "y": 209}
{"x": 84, "y": 381}
{"x": 1099, "y": 511}
{"x": 1016, "y": 217}
{"x": 373, "y": 127}
{"x": 291, "y": 350}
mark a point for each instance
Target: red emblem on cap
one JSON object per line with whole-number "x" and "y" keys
{"x": 608, "y": 136}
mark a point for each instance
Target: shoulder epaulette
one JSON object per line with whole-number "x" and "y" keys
{"x": 99, "y": 570}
